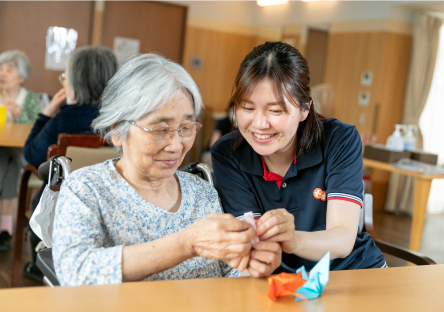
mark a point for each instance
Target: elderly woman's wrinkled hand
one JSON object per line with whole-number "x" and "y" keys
{"x": 13, "y": 108}
{"x": 221, "y": 237}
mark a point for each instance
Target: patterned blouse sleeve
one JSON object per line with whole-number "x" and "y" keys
{"x": 80, "y": 257}
{"x": 227, "y": 271}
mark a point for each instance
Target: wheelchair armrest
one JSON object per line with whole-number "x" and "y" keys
{"x": 46, "y": 265}
{"x": 403, "y": 253}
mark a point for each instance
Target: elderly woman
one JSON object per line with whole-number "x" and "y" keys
{"x": 87, "y": 72}
{"x": 137, "y": 217}
{"x": 20, "y": 105}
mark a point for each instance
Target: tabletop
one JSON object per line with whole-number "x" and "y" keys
{"x": 394, "y": 289}
{"x": 14, "y": 134}
{"x": 389, "y": 167}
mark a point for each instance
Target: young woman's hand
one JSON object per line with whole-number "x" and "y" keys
{"x": 265, "y": 257}
{"x": 221, "y": 237}
{"x": 277, "y": 225}
{"x": 13, "y": 108}
{"x": 54, "y": 106}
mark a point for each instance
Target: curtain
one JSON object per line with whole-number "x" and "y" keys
{"x": 431, "y": 127}
{"x": 422, "y": 65}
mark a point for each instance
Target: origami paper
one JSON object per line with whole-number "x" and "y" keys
{"x": 301, "y": 286}
{"x": 285, "y": 284}
{"x": 248, "y": 217}
{"x": 317, "y": 280}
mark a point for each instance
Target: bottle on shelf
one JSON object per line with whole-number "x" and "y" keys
{"x": 410, "y": 138}
{"x": 395, "y": 141}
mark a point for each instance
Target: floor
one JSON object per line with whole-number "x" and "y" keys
{"x": 392, "y": 228}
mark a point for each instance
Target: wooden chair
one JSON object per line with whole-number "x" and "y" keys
{"x": 391, "y": 249}
{"x": 89, "y": 144}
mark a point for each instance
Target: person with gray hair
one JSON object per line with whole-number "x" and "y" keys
{"x": 137, "y": 217}
{"x": 22, "y": 105}
{"x": 17, "y": 104}
{"x": 88, "y": 70}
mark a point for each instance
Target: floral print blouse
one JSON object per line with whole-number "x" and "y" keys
{"x": 98, "y": 212}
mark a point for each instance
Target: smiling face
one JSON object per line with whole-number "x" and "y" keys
{"x": 9, "y": 77}
{"x": 265, "y": 125}
{"x": 152, "y": 159}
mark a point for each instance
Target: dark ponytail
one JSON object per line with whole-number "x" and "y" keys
{"x": 287, "y": 70}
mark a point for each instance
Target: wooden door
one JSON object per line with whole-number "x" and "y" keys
{"x": 160, "y": 27}
{"x": 316, "y": 51}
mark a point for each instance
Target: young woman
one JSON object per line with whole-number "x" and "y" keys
{"x": 299, "y": 174}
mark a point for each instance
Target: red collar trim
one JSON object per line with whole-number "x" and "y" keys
{"x": 270, "y": 176}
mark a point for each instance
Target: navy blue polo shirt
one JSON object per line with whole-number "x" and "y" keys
{"x": 333, "y": 171}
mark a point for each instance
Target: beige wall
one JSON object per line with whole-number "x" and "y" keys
{"x": 384, "y": 49}
{"x": 222, "y": 47}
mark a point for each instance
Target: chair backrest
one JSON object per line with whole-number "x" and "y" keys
{"x": 86, "y": 156}
{"x": 83, "y": 149}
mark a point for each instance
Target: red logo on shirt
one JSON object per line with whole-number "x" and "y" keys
{"x": 319, "y": 194}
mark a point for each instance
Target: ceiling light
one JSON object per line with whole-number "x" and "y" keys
{"x": 270, "y": 2}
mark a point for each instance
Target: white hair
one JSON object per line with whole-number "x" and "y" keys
{"x": 19, "y": 60}
{"x": 144, "y": 84}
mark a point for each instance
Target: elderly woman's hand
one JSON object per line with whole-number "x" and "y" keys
{"x": 54, "y": 106}
{"x": 221, "y": 237}
{"x": 13, "y": 108}
{"x": 277, "y": 225}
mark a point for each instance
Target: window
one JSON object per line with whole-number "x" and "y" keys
{"x": 432, "y": 129}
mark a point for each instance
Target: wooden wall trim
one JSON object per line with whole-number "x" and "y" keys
{"x": 392, "y": 26}
{"x": 210, "y": 24}
{"x": 183, "y": 38}
{"x": 293, "y": 29}
{"x": 270, "y": 33}
{"x": 97, "y": 27}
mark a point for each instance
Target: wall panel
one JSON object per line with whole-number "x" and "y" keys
{"x": 387, "y": 56}
{"x": 222, "y": 53}
{"x": 23, "y": 26}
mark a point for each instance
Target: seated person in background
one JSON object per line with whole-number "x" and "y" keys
{"x": 87, "y": 73}
{"x": 17, "y": 104}
{"x": 300, "y": 174}
{"x": 136, "y": 217}
{"x": 222, "y": 127}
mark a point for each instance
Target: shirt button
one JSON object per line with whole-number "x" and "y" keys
{"x": 284, "y": 184}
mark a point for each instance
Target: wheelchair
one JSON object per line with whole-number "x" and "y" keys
{"x": 56, "y": 170}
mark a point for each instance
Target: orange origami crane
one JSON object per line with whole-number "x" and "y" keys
{"x": 301, "y": 286}
{"x": 285, "y": 284}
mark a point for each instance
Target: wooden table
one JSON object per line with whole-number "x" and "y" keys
{"x": 14, "y": 134}
{"x": 422, "y": 189}
{"x": 393, "y": 289}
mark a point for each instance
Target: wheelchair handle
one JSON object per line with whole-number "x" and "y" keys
{"x": 58, "y": 166}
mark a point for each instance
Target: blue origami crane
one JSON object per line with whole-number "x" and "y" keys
{"x": 317, "y": 280}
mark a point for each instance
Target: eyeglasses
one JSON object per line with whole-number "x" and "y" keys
{"x": 162, "y": 132}
{"x": 62, "y": 78}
